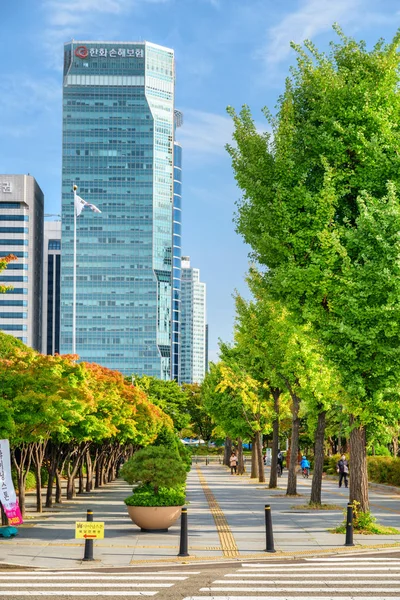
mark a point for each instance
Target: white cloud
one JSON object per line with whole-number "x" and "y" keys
{"x": 312, "y": 18}
{"x": 205, "y": 133}
{"x": 68, "y": 19}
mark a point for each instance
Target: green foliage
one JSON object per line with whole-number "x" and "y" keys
{"x": 167, "y": 439}
{"x": 144, "y": 495}
{"x": 185, "y": 455}
{"x": 169, "y": 396}
{"x": 8, "y": 345}
{"x": 364, "y": 523}
{"x": 201, "y": 422}
{"x": 155, "y": 466}
{"x": 381, "y": 450}
{"x": 382, "y": 469}
{"x": 321, "y": 212}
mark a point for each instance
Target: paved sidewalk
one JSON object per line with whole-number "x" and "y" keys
{"x": 226, "y": 520}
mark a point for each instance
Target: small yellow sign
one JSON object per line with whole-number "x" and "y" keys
{"x": 89, "y": 530}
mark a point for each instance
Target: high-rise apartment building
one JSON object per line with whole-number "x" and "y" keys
{"x": 193, "y": 324}
{"x": 51, "y": 287}
{"x": 118, "y": 148}
{"x": 21, "y": 234}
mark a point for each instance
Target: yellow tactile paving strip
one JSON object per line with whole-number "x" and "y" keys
{"x": 227, "y": 541}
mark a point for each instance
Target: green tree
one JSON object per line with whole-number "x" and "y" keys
{"x": 320, "y": 210}
{"x": 168, "y": 395}
{"x": 201, "y": 422}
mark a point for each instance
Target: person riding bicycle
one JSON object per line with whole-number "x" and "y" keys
{"x": 305, "y": 465}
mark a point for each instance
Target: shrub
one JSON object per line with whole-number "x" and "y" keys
{"x": 186, "y": 456}
{"x": 144, "y": 495}
{"x": 155, "y": 466}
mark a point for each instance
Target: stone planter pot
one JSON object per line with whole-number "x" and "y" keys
{"x": 154, "y": 518}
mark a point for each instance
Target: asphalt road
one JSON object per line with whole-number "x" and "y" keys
{"x": 357, "y": 575}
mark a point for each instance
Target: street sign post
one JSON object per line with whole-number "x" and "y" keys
{"x": 89, "y": 530}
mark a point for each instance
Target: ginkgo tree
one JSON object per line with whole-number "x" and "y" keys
{"x": 321, "y": 210}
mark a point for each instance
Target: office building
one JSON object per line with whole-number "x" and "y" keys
{"x": 118, "y": 148}
{"x": 176, "y": 258}
{"x": 21, "y": 234}
{"x": 193, "y": 324}
{"x": 51, "y": 287}
{"x": 206, "y": 361}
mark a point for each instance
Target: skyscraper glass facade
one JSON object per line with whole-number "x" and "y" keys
{"x": 176, "y": 268}
{"x": 118, "y": 147}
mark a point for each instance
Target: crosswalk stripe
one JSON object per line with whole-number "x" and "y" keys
{"x": 312, "y": 569}
{"x": 339, "y": 589}
{"x": 84, "y": 584}
{"x": 75, "y": 593}
{"x": 283, "y": 579}
{"x": 366, "y": 559}
{"x": 284, "y": 598}
{"x": 79, "y": 572}
{"x": 285, "y": 574}
{"x": 94, "y": 577}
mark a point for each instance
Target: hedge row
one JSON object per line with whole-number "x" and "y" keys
{"x": 381, "y": 469}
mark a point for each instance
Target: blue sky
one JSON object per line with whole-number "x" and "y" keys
{"x": 228, "y": 52}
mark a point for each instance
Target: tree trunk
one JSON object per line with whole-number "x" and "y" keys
{"x": 22, "y": 466}
{"x": 358, "y": 467}
{"x": 89, "y": 471}
{"x": 39, "y": 449}
{"x": 227, "y": 451}
{"x": 254, "y": 460}
{"x": 39, "y": 501}
{"x": 294, "y": 445}
{"x": 81, "y": 488}
{"x": 240, "y": 467}
{"x": 273, "y": 476}
{"x": 58, "y": 487}
{"x": 4, "y": 520}
{"x": 395, "y": 445}
{"x": 316, "y": 483}
{"x": 259, "y": 458}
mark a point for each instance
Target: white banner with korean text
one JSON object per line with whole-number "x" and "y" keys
{"x": 8, "y": 497}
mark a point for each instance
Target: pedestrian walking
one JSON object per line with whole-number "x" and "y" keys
{"x": 342, "y": 468}
{"x": 280, "y": 462}
{"x": 233, "y": 461}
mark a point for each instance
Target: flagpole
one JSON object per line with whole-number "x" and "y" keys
{"x": 74, "y": 281}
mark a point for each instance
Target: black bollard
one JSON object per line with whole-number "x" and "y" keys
{"x": 349, "y": 526}
{"x": 183, "y": 546}
{"x": 206, "y": 460}
{"x": 88, "y": 543}
{"x": 269, "y": 536}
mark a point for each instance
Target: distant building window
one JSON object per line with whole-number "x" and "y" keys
{"x": 13, "y": 327}
{"x": 14, "y": 230}
{"x": 17, "y": 291}
{"x": 54, "y": 245}
{"x": 17, "y": 266}
{"x": 13, "y": 243}
{"x": 10, "y": 205}
{"x": 13, "y": 278}
{"x": 7, "y": 315}
{"x": 13, "y": 303}
{"x": 13, "y": 217}
{"x": 16, "y": 253}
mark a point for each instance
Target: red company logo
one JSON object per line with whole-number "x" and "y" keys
{"x": 81, "y": 52}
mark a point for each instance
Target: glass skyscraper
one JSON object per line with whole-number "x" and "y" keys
{"x": 177, "y": 254}
{"x": 118, "y": 148}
